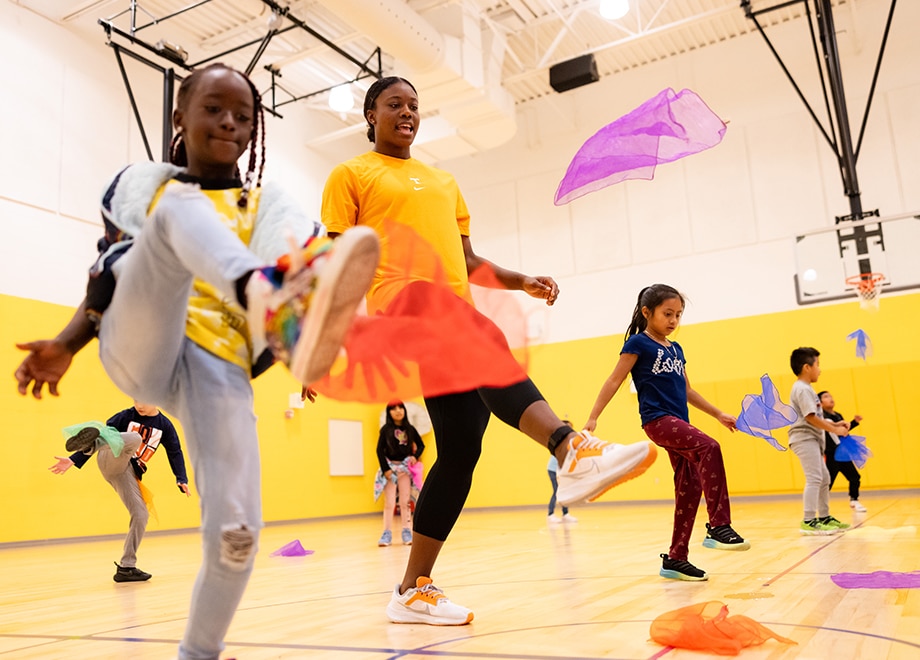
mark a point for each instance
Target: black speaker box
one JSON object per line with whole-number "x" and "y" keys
{"x": 573, "y": 73}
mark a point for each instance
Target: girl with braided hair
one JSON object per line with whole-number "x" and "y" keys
{"x": 190, "y": 309}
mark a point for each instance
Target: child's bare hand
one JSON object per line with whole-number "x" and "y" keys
{"x": 728, "y": 421}
{"x": 63, "y": 464}
{"x": 46, "y": 363}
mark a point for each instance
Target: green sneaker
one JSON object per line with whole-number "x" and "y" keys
{"x": 815, "y": 527}
{"x": 830, "y": 520}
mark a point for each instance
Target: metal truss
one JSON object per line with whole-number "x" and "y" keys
{"x": 177, "y": 58}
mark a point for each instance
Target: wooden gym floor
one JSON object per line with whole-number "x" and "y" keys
{"x": 587, "y": 590}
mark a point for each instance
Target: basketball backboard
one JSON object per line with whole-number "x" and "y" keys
{"x": 826, "y": 258}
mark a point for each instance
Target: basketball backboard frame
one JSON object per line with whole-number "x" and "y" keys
{"x": 826, "y": 258}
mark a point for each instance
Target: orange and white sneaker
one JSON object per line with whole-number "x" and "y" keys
{"x": 425, "y": 603}
{"x": 592, "y": 467}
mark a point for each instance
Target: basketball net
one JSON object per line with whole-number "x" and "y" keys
{"x": 868, "y": 288}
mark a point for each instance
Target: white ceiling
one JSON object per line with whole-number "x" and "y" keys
{"x": 531, "y": 36}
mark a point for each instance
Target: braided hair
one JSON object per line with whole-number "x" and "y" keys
{"x": 178, "y": 155}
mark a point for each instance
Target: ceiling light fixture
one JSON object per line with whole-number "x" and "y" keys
{"x": 614, "y": 9}
{"x": 341, "y": 98}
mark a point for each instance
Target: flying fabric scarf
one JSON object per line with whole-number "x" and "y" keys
{"x": 763, "y": 413}
{"x": 666, "y": 128}
{"x": 852, "y": 448}
{"x": 109, "y": 435}
{"x": 428, "y": 340}
{"x": 863, "y": 343}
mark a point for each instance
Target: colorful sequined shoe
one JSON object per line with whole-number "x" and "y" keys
{"x": 302, "y": 307}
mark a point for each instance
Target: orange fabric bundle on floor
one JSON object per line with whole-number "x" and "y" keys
{"x": 708, "y": 627}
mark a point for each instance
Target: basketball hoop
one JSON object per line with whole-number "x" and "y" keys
{"x": 867, "y": 287}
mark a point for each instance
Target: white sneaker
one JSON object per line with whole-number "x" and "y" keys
{"x": 553, "y": 519}
{"x": 857, "y": 506}
{"x": 302, "y": 310}
{"x": 569, "y": 518}
{"x": 425, "y": 603}
{"x": 592, "y": 467}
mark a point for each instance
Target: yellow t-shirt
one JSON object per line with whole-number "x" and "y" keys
{"x": 372, "y": 189}
{"x": 215, "y": 322}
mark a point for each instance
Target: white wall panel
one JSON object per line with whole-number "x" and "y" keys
{"x": 32, "y": 78}
{"x": 785, "y": 177}
{"x": 600, "y": 230}
{"x": 904, "y": 109}
{"x": 546, "y": 230}
{"x": 43, "y": 255}
{"x": 659, "y": 221}
{"x": 94, "y": 125}
{"x": 719, "y": 197}
{"x": 494, "y": 225}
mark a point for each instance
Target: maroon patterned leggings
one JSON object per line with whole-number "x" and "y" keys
{"x": 698, "y": 470}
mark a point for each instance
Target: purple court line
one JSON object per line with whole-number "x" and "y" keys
{"x": 834, "y": 539}
{"x": 428, "y": 650}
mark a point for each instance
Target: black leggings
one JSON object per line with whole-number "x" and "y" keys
{"x": 459, "y": 421}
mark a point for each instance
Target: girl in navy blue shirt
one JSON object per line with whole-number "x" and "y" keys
{"x": 658, "y": 369}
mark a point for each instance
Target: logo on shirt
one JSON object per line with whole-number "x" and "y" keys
{"x": 150, "y": 441}
{"x": 418, "y": 184}
{"x": 667, "y": 364}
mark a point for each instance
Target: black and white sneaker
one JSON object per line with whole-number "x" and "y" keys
{"x": 130, "y": 574}
{"x": 681, "y": 570}
{"x": 84, "y": 440}
{"x": 724, "y": 537}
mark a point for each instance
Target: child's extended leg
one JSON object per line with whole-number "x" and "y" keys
{"x": 120, "y": 475}
{"x": 141, "y": 333}
{"x": 214, "y": 402}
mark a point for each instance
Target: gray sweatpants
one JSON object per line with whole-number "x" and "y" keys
{"x": 120, "y": 475}
{"x": 145, "y": 352}
{"x": 816, "y": 496}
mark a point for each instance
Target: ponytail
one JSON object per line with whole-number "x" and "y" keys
{"x": 650, "y": 298}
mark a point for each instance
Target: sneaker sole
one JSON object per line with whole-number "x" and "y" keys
{"x": 84, "y": 440}
{"x": 122, "y": 579}
{"x": 823, "y": 532}
{"x": 344, "y": 282}
{"x": 716, "y": 545}
{"x": 405, "y": 615}
{"x": 593, "y": 494}
{"x": 676, "y": 575}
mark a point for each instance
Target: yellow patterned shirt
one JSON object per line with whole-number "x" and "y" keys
{"x": 215, "y": 322}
